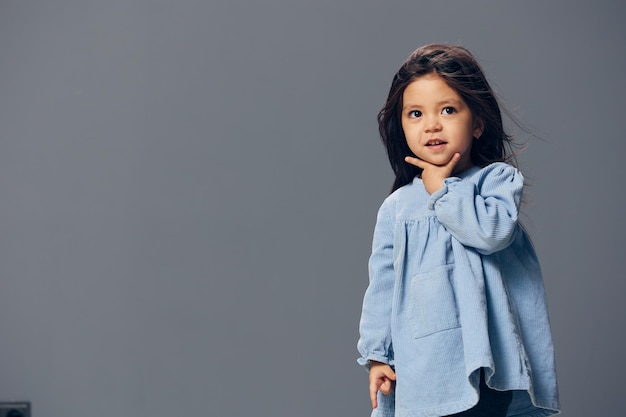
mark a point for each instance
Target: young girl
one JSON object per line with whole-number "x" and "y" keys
{"x": 454, "y": 320}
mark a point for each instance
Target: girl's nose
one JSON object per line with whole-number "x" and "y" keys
{"x": 432, "y": 125}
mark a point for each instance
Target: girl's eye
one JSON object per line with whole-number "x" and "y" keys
{"x": 414, "y": 114}
{"x": 448, "y": 110}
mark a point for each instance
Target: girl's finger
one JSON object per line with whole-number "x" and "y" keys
{"x": 414, "y": 161}
{"x": 373, "y": 394}
{"x": 385, "y": 388}
{"x": 389, "y": 373}
{"x": 454, "y": 160}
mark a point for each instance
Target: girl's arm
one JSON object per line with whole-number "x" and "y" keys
{"x": 375, "y": 326}
{"x": 483, "y": 215}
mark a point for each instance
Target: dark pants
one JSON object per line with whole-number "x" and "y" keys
{"x": 492, "y": 403}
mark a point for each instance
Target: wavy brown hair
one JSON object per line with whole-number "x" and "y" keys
{"x": 460, "y": 70}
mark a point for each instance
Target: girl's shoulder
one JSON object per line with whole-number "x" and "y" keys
{"x": 498, "y": 172}
{"x": 408, "y": 191}
{"x": 499, "y": 168}
{"x": 501, "y": 181}
{"x": 409, "y": 197}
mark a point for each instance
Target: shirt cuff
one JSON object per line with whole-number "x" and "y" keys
{"x": 365, "y": 360}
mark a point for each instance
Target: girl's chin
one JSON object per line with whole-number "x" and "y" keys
{"x": 441, "y": 160}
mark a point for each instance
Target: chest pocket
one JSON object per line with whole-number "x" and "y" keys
{"x": 432, "y": 306}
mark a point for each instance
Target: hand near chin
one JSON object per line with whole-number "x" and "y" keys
{"x": 433, "y": 175}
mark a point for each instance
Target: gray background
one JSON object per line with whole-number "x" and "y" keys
{"x": 188, "y": 191}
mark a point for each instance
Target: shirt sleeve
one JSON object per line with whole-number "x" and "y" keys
{"x": 375, "y": 325}
{"x": 481, "y": 215}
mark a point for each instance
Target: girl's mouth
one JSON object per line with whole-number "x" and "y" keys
{"x": 435, "y": 142}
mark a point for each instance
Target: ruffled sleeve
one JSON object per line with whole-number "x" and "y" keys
{"x": 375, "y": 326}
{"x": 482, "y": 215}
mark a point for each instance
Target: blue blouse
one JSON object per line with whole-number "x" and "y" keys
{"x": 455, "y": 286}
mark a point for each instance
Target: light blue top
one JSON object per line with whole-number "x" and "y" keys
{"x": 455, "y": 286}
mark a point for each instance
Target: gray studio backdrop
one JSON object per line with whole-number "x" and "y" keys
{"x": 188, "y": 191}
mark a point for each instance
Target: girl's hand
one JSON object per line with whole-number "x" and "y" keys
{"x": 433, "y": 175}
{"x": 381, "y": 379}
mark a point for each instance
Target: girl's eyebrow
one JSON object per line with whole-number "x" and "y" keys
{"x": 454, "y": 101}
{"x": 450, "y": 101}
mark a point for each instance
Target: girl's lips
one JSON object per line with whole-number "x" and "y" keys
{"x": 436, "y": 144}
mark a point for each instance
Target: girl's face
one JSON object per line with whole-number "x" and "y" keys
{"x": 437, "y": 122}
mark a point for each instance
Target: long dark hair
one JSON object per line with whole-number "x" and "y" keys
{"x": 460, "y": 70}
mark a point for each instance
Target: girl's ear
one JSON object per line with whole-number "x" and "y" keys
{"x": 479, "y": 127}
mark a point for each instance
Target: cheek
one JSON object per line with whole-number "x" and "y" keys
{"x": 409, "y": 130}
{"x": 410, "y": 136}
{"x": 407, "y": 135}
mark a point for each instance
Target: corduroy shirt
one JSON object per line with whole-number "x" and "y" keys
{"x": 455, "y": 286}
